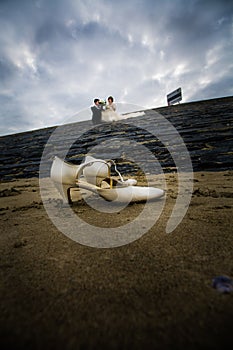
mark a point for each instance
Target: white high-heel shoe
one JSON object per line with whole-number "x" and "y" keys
{"x": 94, "y": 175}
{"x": 65, "y": 175}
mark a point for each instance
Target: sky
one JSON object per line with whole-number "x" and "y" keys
{"x": 56, "y": 56}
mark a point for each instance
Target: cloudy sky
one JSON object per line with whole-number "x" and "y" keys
{"x": 57, "y": 55}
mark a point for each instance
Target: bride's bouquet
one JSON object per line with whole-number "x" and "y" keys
{"x": 102, "y": 102}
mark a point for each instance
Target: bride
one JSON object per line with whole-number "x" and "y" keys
{"x": 110, "y": 114}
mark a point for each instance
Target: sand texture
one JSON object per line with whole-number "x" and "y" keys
{"x": 155, "y": 292}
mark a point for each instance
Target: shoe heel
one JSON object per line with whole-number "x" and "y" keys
{"x": 64, "y": 191}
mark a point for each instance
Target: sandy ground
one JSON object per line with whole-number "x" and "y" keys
{"x": 155, "y": 292}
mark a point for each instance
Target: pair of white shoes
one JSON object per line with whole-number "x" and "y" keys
{"x": 95, "y": 175}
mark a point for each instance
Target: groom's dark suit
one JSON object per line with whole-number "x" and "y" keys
{"x": 96, "y": 114}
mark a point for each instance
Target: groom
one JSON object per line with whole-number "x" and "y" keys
{"x": 97, "y": 112}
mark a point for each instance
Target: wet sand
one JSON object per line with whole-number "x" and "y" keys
{"x": 155, "y": 292}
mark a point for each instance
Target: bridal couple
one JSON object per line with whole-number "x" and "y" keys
{"x": 102, "y": 112}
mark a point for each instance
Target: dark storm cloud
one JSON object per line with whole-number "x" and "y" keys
{"x": 200, "y": 23}
{"x": 7, "y": 70}
{"x": 216, "y": 88}
{"x": 56, "y": 55}
{"x": 51, "y": 31}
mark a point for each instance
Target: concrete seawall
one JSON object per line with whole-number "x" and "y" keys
{"x": 206, "y": 128}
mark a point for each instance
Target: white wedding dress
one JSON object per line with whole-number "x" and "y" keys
{"x": 110, "y": 114}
